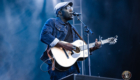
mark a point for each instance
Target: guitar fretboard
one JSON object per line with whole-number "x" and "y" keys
{"x": 92, "y": 45}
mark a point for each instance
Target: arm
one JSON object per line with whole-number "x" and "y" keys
{"x": 67, "y": 46}
{"x": 49, "y": 39}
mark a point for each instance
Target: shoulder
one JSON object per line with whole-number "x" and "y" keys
{"x": 50, "y": 21}
{"x": 73, "y": 27}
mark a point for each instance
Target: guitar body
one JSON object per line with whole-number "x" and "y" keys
{"x": 65, "y": 59}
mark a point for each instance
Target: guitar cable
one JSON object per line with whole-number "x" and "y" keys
{"x": 47, "y": 64}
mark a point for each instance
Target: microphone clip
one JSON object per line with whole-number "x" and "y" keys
{"x": 76, "y": 14}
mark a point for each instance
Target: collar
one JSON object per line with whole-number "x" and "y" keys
{"x": 60, "y": 21}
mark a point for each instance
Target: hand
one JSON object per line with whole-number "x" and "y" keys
{"x": 97, "y": 45}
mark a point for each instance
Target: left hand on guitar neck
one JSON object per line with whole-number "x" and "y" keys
{"x": 97, "y": 45}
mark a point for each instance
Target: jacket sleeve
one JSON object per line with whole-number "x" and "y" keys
{"x": 46, "y": 34}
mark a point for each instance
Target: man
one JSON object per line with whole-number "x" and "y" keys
{"x": 56, "y": 30}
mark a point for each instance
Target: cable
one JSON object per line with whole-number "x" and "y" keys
{"x": 43, "y": 63}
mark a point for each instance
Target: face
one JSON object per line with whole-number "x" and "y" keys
{"x": 67, "y": 12}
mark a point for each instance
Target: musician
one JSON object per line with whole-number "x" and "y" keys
{"x": 59, "y": 29}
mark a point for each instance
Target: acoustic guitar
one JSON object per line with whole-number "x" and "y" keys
{"x": 65, "y": 58}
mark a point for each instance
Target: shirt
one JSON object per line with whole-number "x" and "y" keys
{"x": 69, "y": 37}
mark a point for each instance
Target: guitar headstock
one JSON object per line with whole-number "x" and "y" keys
{"x": 112, "y": 40}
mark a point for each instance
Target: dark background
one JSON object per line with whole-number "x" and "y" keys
{"x": 20, "y": 48}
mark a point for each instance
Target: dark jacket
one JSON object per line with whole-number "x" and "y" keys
{"x": 55, "y": 28}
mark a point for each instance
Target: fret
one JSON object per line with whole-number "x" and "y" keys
{"x": 92, "y": 45}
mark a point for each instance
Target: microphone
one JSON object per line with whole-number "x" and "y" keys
{"x": 76, "y": 14}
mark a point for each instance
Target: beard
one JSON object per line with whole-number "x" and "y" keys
{"x": 67, "y": 16}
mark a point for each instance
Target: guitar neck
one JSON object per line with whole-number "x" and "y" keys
{"x": 92, "y": 45}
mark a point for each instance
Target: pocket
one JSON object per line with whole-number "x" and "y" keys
{"x": 59, "y": 28}
{"x": 60, "y": 32}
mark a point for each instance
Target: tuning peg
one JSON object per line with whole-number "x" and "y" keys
{"x": 100, "y": 38}
{"x": 116, "y": 36}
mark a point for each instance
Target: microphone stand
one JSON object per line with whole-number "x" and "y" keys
{"x": 88, "y": 31}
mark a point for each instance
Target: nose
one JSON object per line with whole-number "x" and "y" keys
{"x": 70, "y": 10}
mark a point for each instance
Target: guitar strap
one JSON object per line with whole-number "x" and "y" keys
{"x": 78, "y": 35}
{"x": 50, "y": 57}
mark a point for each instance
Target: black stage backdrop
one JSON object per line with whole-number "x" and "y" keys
{"x": 20, "y": 48}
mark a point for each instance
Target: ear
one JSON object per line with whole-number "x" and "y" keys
{"x": 59, "y": 13}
